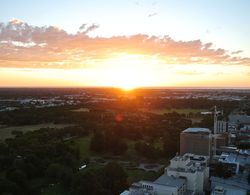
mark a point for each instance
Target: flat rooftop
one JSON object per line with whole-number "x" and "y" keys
{"x": 196, "y": 130}
{"x": 170, "y": 181}
{"x": 242, "y": 159}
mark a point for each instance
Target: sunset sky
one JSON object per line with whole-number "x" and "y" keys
{"x": 125, "y": 43}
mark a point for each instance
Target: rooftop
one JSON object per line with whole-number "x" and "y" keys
{"x": 237, "y": 181}
{"x": 242, "y": 159}
{"x": 170, "y": 181}
{"x": 191, "y": 157}
{"x": 218, "y": 190}
{"x": 196, "y": 130}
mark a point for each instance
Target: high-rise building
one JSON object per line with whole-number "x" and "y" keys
{"x": 196, "y": 141}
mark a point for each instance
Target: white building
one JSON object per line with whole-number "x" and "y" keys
{"x": 164, "y": 185}
{"x": 221, "y": 126}
{"x": 188, "y": 174}
{"x": 192, "y": 167}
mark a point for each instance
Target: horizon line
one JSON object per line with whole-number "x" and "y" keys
{"x": 113, "y": 87}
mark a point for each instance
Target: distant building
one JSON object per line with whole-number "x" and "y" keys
{"x": 222, "y": 140}
{"x": 239, "y": 119}
{"x": 196, "y": 141}
{"x": 222, "y": 127}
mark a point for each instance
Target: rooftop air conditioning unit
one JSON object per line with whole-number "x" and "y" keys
{"x": 219, "y": 190}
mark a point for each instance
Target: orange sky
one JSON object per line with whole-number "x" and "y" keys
{"x": 49, "y": 56}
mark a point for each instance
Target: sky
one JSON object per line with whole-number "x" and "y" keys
{"x": 125, "y": 43}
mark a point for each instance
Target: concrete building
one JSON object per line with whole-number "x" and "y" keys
{"x": 235, "y": 160}
{"x": 188, "y": 174}
{"x": 192, "y": 167}
{"x": 196, "y": 141}
{"x": 222, "y": 140}
{"x": 239, "y": 119}
{"x": 164, "y": 185}
{"x": 236, "y": 185}
{"x": 222, "y": 126}
{"x": 225, "y": 190}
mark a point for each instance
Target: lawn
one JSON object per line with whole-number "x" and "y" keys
{"x": 135, "y": 175}
{"x": 5, "y": 132}
{"x": 84, "y": 146}
{"x": 180, "y": 111}
{"x": 81, "y": 110}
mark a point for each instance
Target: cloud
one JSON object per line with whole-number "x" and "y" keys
{"x": 152, "y": 14}
{"x": 15, "y": 21}
{"x": 84, "y": 29}
{"x": 26, "y": 46}
{"x": 237, "y": 52}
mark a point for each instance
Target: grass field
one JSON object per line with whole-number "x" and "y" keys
{"x": 137, "y": 175}
{"x": 81, "y": 110}
{"x": 180, "y": 111}
{"x": 5, "y": 132}
{"x": 84, "y": 146}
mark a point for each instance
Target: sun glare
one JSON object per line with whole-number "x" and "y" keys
{"x": 129, "y": 71}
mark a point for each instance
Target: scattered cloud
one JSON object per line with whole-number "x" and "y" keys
{"x": 27, "y": 46}
{"x": 154, "y": 3}
{"x": 152, "y": 14}
{"x": 237, "y": 52}
{"x": 85, "y": 29}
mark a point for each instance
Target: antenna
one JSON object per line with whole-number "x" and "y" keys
{"x": 215, "y": 112}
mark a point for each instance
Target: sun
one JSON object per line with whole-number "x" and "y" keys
{"x": 128, "y": 72}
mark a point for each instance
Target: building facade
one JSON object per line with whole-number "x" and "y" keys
{"x": 187, "y": 174}
{"x": 196, "y": 141}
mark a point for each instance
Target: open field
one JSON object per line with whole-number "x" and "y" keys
{"x": 6, "y": 132}
{"x": 81, "y": 110}
{"x": 84, "y": 146}
{"x": 137, "y": 175}
{"x": 180, "y": 111}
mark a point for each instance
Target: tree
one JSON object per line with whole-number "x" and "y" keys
{"x": 8, "y": 187}
{"x": 97, "y": 142}
{"x": 18, "y": 177}
{"x": 87, "y": 183}
{"x": 115, "y": 178}
{"x": 171, "y": 143}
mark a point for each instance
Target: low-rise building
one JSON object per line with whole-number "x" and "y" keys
{"x": 235, "y": 160}
{"x": 188, "y": 174}
{"x": 164, "y": 185}
{"x": 192, "y": 167}
{"x": 233, "y": 185}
